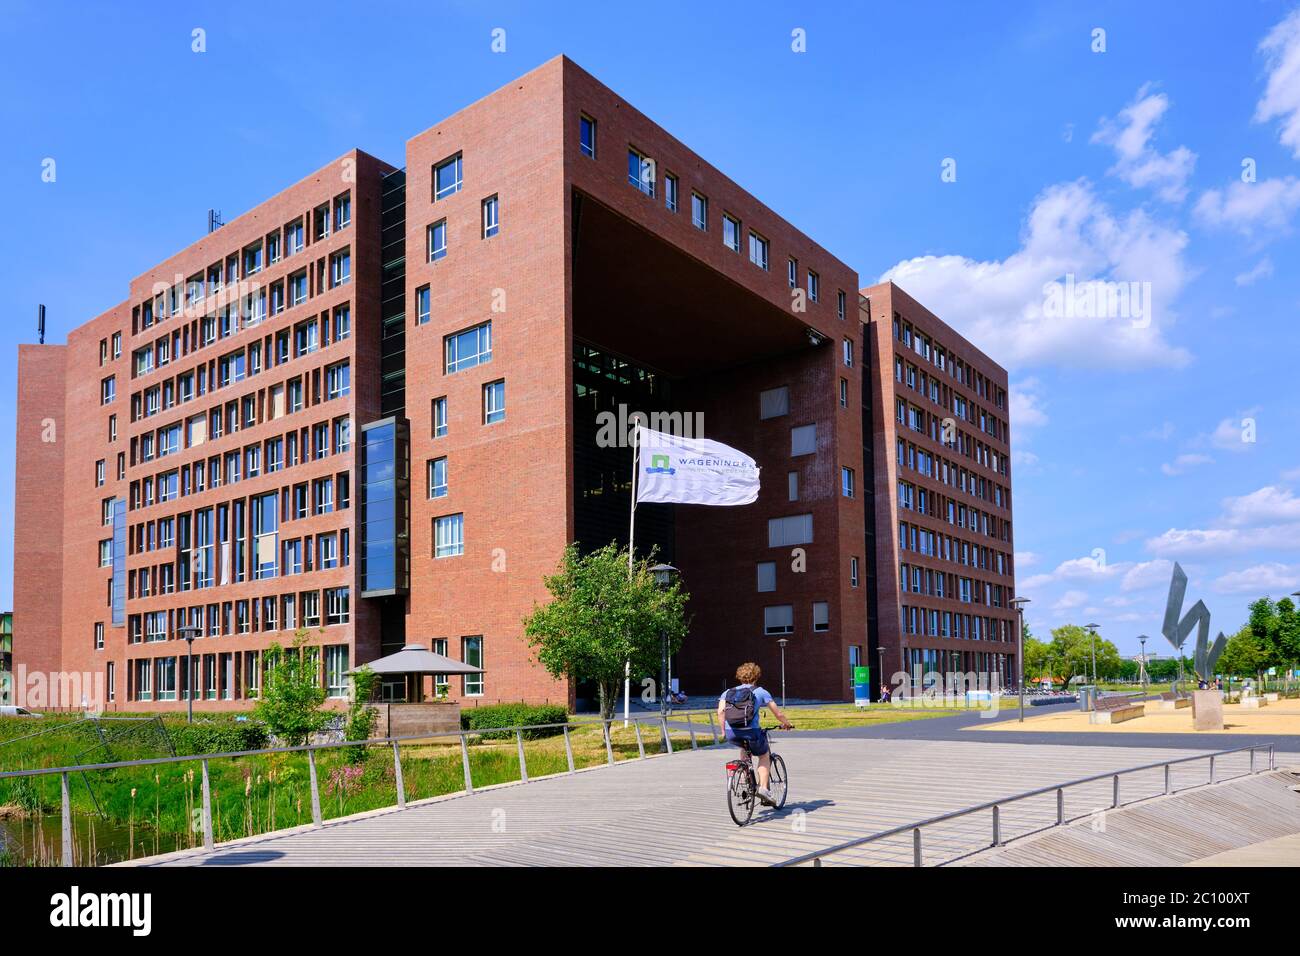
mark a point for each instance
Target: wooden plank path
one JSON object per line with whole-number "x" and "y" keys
{"x": 1172, "y": 831}
{"x": 671, "y": 810}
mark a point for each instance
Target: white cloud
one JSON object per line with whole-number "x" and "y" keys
{"x": 1024, "y": 459}
{"x": 1263, "y": 269}
{"x": 1183, "y": 463}
{"x": 1291, "y": 475}
{"x": 1163, "y": 433}
{"x": 1281, "y": 99}
{"x": 1006, "y": 306}
{"x": 1272, "y": 579}
{"x": 1147, "y": 574}
{"x": 1025, "y": 559}
{"x": 1268, "y": 505}
{"x": 1231, "y": 433}
{"x": 1138, "y": 163}
{"x": 1180, "y": 543}
{"x": 1265, "y": 206}
{"x": 1070, "y": 600}
{"x": 1026, "y": 407}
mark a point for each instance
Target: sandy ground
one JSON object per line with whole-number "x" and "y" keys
{"x": 1282, "y": 717}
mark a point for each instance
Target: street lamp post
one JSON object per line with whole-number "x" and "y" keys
{"x": 663, "y": 574}
{"x": 880, "y": 652}
{"x": 1092, "y": 631}
{"x": 783, "y": 642}
{"x": 188, "y": 632}
{"x": 1019, "y": 604}
{"x": 1142, "y": 639}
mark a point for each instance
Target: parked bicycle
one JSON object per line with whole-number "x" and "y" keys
{"x": 742, "y": 783}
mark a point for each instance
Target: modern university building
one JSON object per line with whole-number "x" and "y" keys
{"x": 372, "y": 407}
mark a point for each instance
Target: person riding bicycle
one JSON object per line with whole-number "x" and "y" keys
{"x": 738, "y": 712}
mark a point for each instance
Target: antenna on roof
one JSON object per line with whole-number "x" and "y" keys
{"x": 214, "y": 220}
{"x": 40, "y": 323}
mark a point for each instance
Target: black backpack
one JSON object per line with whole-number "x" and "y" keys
{"x": 739, "y": 711}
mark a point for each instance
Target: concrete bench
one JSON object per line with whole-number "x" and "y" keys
{"x": 1252, "y": 702}
{"x": 1171, "y": 701}
{"x": 1115, "y": 710}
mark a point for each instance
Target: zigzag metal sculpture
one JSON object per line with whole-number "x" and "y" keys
{"x": 1176, "y": 631}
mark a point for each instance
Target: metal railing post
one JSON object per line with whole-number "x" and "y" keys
{"x": 1114, "y": 794}
{"x": 397, "y": 776}
{"x": 1060, "y": 806}
{"x": 1211, "y": 768}
{"x": 609, "y": 744}
{"x": 464, "y": 763}
{"x": 817, "y": 863}
{"x": 713, "y": 728}
{"x": 1168, "y": 789}
{"x": 1272, "y": 758}
{"x": 690, "y": 727}
{"x": 1252, "y": 759}
{"x": 568, "y": 748}
{"x": 523, "y": 764}
{"x": 996, "y": 834}
{"x": 315, "y": 789}
{"x": 640, "y": 744}
{"x": 668, "y": 741}
{"x": 67, "y": 819}
{"x": 916, "y": 846}
{"x": 207, "y": 809}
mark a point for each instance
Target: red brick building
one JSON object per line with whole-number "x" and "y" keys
{"x": 372, "y": 407}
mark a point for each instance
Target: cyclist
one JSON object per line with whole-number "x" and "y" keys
{"x": 738, "y": 712}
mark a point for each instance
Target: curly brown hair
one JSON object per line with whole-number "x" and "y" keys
{"x": 749, "y": 673}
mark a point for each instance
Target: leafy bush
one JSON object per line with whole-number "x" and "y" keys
{"x": 218, "y": 735}
{"x": 515, "y": 715}
{"x": 361, "y": 716}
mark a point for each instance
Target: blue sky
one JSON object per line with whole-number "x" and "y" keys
{"x": 1115, "y": 166}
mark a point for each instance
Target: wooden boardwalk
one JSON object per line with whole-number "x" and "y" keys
{"x": 1260, "y": 812}
{"x": 670, "y": 810}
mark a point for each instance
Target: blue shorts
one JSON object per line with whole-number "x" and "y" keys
{"x": 756, "y": 737}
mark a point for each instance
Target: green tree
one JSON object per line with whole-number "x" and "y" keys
{"x": 1071, "y": 651}
{"x": 1244, "y": 654}
{"x": 1036, "y": 657}
{"x": 361, "y": 716}
{"x": 600, "y": 618}
{"x": 292, "y": 695}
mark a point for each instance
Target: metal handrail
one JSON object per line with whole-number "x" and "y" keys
{"x": 995, "y": 806}
{"x": 395, "y": 742}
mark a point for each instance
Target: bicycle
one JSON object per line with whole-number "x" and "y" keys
{"x": 742, "y": 783}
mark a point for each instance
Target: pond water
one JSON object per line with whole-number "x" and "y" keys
{"x": 37, "y": 841}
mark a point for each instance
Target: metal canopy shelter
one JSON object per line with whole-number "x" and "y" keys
{"x": 416, "y": 660}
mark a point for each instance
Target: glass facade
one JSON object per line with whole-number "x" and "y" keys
{"x": 119, "y": 562}
{"x": 385, "y": 508}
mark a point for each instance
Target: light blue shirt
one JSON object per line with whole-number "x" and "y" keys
{"x": 761, "y": 699}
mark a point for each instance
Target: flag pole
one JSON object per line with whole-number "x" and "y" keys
{"x": 631, "y": 538}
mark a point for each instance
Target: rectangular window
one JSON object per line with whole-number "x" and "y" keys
{"x": 792, "y": 272}
{"x": 338, "y": 380}
{"x": 792, "y": 480}
{"x": 731, "y": 232}
{"x": 491, "y": 217}
{"x": 844, "y": 393}
{"x": 847, "y": 482}
{"x": 448, "y": 536}
{"x": 814, "y": 286}
{"x": 699, "y": 212}
{"x": 790, "y": 530}
{"x": 99, "y": 473}
{"x": 587, "y": 136}
{"x": 298, "y": 288}
{"x": 440, "y": 417}
{"x": 774, "y": 402}
{"x": 778, "y": 619}
{"x": 853, "y": 572}
{"x": 821, "y": 616}
{"x": 438, "y": 240}
{"x": 841, "y": 304}
{"x": 422, "y": 305}
{"x": 340, "y": 268}
{"x": 438, "y": 478}
{"x": 472, "y": 654}
{"x": 670, "y": 192}
{"x": 343, "y": 211}
{"x": 766, "y": 576}
{"x": 447, "y": 178}
{"x": 108, "y": 390}
{"x": 494, "y": 402}
{"x": 848, "y": 353}
{"x": 758, "y": 248}
{"x": 469, "y": 348}
{"x": 641, "y": 171}
{"x": 336, "y": 665}
{"x": 99, "y": 635}
{"x": 803, "y": 440}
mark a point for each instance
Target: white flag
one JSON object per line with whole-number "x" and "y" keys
{"x": 694, "y": 471}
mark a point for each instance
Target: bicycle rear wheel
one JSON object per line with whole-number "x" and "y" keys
{"x": 778, "y": 783}
{"x": 741, "y": 796}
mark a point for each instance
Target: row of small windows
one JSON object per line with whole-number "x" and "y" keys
{"x": 218, "y": 676}
{"x": 945, "y": 547}
{"x": 949, "y": 473}
{"x": 642, "y": 175}
{"x": 930, "y": 622}
{"x": 778, "y": 619}
{"x": 959, "y": 370}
